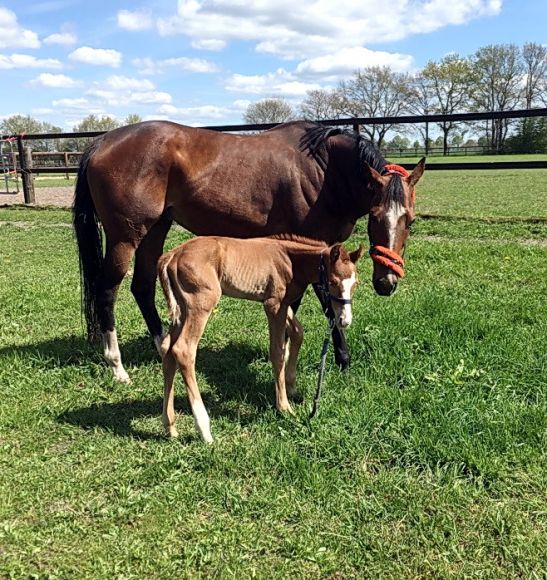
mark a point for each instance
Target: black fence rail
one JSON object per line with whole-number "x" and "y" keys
{"x": 26, "y": 167}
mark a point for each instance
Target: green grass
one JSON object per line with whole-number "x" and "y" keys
{"x": 471, "y": 158}
{"x": 428, "y": 458}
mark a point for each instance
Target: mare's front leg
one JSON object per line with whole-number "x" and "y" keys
{"x": 341, "y": 353}
{"x": 277, "y": 323}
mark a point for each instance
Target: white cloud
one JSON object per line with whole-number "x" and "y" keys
{"x": 343, "y": 63}
{"x": 97, "y": 56}
{"x": 196, "y": 115}
{"x": 27, "y": 61}
{"x": 49, "y": 80}
{"x": 280, "y": 83}
{"x": 148, "y": 66}
{"x": 12, "y": 34}
{"x": 314, "y": 28}
{"x": 78, "y": 103}
{"x": 209, "y": 44}
{"x": 122, "y": 98}
{"x": 62, "y": 38}
{"x": 117, "y": 82}
{"x": 137, "y": 20}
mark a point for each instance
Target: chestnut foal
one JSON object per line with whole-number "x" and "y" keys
{"x": 275, "y": 271}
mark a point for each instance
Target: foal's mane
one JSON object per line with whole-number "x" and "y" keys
{"x": 314, "y": 140}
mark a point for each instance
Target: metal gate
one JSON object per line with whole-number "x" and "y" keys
{"x": 9, "y": 180}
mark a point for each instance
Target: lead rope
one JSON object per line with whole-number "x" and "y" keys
{"x": 323, "y": 360}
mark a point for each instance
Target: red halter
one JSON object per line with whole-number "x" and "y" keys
{"x": 388, "y": 258}
{"x": 381, "y": 254}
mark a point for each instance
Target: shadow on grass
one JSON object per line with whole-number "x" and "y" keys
{"x": 235, "y": 393}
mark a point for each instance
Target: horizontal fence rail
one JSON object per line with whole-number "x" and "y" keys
{"x": 25, "y": 156}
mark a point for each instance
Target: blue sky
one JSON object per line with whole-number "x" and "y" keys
{"x": 201, "y": 62}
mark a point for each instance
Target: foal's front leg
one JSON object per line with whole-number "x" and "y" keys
{"x": 277, "y": 321}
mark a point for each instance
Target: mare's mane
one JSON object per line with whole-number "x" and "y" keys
{"x": 299, "y": 240}
{"x": 314, "y": 141}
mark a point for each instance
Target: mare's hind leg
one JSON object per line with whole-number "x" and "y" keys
{"x": 341, "y": 352}
{"x": 143, "y": 285}
{"x": 116, "y": 264}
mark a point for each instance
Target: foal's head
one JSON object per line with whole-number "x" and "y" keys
{"x": 391, "y": 214}
{"x": 342, "y": 278}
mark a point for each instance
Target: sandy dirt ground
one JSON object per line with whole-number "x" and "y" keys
{"x": 53, "y": 196}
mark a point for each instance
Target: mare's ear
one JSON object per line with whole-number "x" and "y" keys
{"x": 357, "y": 254}
{"x": 417, "y": 173}
{"x": 335, "y": 253}
{"x": 374, "y": 175}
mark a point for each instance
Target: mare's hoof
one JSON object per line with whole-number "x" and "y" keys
{"x": 342, "y": 360}
{"x": 296, "y": 397}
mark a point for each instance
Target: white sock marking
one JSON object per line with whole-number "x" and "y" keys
{"x": 201, "y": 419}
{"x": 113, "y": 356}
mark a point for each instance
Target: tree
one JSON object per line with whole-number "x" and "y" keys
{"x": 375, "y": 92}
{"x": 530, "y": 137}
{"x": 320, "y": 104}
{"x": 422, "y": 102}
{"x": 90, "y": 123}
{"x": 497, "y": 70}
{"x": 269, "y": 111}
{"x": 132, "y": 119}
{"x": 450, "y": 83}
{"x": 534, "y": 57}
{"x": 25, "y": 124}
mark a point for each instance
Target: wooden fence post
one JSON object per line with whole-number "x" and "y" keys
{"x": 25, "y": 161}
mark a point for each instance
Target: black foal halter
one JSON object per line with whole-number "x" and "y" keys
{"x": 324, "y": 285}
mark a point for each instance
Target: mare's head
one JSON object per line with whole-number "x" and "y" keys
{"x": 391, "y": 215}
{"x": 341, "y": 275}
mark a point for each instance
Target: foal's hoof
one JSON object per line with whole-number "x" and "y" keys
{"x": 172, "y": 432}
{"x": 122, "y": 377}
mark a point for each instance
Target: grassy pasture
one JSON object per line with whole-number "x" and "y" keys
{"x": 428, "y": 458}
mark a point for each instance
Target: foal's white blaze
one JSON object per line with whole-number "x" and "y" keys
{"x": 346, "y": 317}
{"x": 113, "y": 356}
{"x": 201, "y": 419}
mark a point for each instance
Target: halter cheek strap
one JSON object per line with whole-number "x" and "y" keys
{"x": 323, "y": 283}
{"x": 388, "y": 258}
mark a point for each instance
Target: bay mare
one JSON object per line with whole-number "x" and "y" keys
{"x": 299, "y": 178}
{"x": 275, "y": 271}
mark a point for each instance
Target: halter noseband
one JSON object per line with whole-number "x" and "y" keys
{"x": 381, "y": 254}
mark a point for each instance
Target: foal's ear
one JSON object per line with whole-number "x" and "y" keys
{"x": 417, "y": 173}
{"x": 335, "y": 253}
{"x": 357, "y": 254}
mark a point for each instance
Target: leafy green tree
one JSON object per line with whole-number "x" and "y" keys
{"x": 269, "y": 111}
{"x": 132, "y": 119}
{"x": 90, "y": 123}
{"x": 320, "y": 104}
{"x": 25, "y": 124}
{"x": 450, "y": 80}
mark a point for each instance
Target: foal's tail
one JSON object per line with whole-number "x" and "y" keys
{"x": 173, "y": 305}
{"x": 90, "y": 244}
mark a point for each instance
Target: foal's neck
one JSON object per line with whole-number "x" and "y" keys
{"x": 306, "y": 262}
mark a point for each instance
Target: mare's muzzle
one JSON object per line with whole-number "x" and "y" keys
{"x": 386, "y": 285}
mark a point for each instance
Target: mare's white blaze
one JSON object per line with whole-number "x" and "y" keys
{"x": 113, "y": 356}
{"x": 201, "y": 419}
{"x": 347, "y": 286}
{"x": 395, "y": 212}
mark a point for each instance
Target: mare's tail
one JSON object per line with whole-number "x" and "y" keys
{"x": 90, "y": 244}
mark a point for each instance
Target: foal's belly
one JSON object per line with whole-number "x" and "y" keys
{"x": 248, "y": 290}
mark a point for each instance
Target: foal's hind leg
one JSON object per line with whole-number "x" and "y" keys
{"x": 143, "y": 285}
{"x": 116, "y": 264}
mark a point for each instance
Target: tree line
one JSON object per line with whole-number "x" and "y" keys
{"x": 499, "y": 77}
